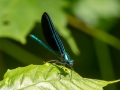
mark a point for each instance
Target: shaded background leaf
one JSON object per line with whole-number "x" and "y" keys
{"x": 90, "y": 11}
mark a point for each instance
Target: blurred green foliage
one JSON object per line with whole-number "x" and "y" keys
{"x": 91, "y": 29}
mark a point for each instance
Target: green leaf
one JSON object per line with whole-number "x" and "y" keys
{"x": 48, "y": 77}
{"x": 90, "y": 11}
{"x": 17, "y": 18}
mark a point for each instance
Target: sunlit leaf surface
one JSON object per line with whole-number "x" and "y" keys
{"x": 48, "y": 77}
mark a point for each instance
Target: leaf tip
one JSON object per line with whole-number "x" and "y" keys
{"x": 47, "y": 64}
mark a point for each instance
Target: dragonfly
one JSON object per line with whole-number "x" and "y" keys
{"x": 53, "y": 40}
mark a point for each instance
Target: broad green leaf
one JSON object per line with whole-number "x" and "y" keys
{"x": 18, "y": 17}
{"x": 48, "y": 77}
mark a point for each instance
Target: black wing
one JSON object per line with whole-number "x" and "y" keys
{"x": 51, "y": 35}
